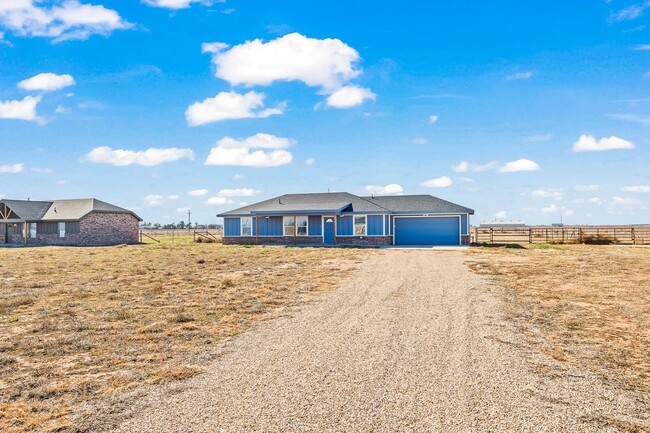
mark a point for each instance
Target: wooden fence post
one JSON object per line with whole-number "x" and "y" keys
{"x": 633, "y": 236}
{"x": 491, "y": 235}
{"x": 579, "y": 234}
{"x": 530, "y": 235}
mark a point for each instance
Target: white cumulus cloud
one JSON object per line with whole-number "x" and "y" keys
{"x": 179, "y": 4}
{"x": 501, "y": 214}
{"x": 238, "y": 192}
{"x": 636, "y": 188}
{"x": 620, "y": 205}
{"x": 438, "y": 182}
{"x": 198, "y": 192}
{"x": 153, "y": 200}
{"x": 150, "y": 157}
{"x": 554, "y": 193}
{"x": 24, "y": 109}
{"x": 326, "y": 63}
{"x": 218, "y": 200}
{"x": 433, "y": 118}
{"x": 588, "y": 143}
{"x": 390, "y": 189}
{"x": 465, "y": 166}
{"x": 520, "y": 76}
{"x": 329, "y": 64}
{"x": 59, "y": 19}
{"x": 520, "y": 165}
{"x": 12, "y": 168}
{"x": 350, "y": 96}
{"x": 310, "y": 161}
{"x": 230, "y": 151}
{"x": 47, "y": 81}
{"x": 230, "y": 105}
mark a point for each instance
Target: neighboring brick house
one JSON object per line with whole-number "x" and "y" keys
{"x": 340, "y": 218}
{"x": 66, "y": 222}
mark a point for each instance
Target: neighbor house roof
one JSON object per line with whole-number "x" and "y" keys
{"x": 343, "y": 202}
{"x": 62, "y": 210}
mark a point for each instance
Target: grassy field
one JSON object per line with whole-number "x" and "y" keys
{"x": 589, "y": 304}
{"x": 77, "y": 324}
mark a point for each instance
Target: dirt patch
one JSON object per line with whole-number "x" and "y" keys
{"x": 78, "y": 324}
{"x": 588, "y": 305}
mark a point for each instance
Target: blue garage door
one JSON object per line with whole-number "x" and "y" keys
{"x": 427, "y": 231}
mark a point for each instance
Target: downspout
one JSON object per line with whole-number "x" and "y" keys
{"x": 257, "y": 230}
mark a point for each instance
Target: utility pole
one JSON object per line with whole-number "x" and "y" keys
{"x": 189, "y": 220}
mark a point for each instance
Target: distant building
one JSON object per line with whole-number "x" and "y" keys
{"x": 66, "y": 222}
{"x": 503, "y": 223}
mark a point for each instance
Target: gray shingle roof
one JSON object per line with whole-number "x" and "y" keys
{"x": 61, "y": 210}
{"x": 28, "y": 210}
{"x": 418, "y": 203}
{"x": 346, "y": 203}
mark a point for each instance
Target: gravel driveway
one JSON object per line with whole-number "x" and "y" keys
{"x": 413, "y": 342}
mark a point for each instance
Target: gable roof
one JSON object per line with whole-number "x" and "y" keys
{"x": 329, "y": 202}
{"x": 26, "y": 209}
{"x": 418, "y": 203}
{"x": 62, "y": 210}
{"x": 343, "y": 202}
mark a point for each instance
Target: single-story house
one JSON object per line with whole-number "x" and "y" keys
{"x": 341, "y": 218}
{"x": 66, "y": 222}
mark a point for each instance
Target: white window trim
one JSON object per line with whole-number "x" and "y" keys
{"x": 295, "y": 225}
{"x": 61, "y": 230}
{"x": 32, "y": 234}
{"x": 354, "y": 225}
{"x": 241, "y": 227}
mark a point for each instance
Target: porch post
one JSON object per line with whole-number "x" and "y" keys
{"x": 257, "y": 230}
{"x": 25, "y": 230}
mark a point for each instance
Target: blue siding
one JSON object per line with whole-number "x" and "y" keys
{"x": 344, "y": 226}
{"x": 271, "y": 226}
{"x": 427, "y": 231}
{"x": 231, "y": 227}
{"x": 463, "y": 224}
{"x": 375, "y": 226}
{"x": 315, "y": 225}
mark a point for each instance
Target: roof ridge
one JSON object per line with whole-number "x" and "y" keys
{"x": 374, "y": 204}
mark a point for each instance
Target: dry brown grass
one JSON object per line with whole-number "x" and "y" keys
{"x": 78, "y": 324}
{"x": 589, "y": 304}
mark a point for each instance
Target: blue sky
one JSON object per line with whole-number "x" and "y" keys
{"x": 521, "y": 110}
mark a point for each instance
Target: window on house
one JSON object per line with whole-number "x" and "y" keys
{"x": 247, "y": 226}
{"x": 32, "y": 230}
{"x": 302, "y": 224}
{"x": 62, "y": 230}
{"x": 289, "y": 224}
{"x": 360, "y": 225}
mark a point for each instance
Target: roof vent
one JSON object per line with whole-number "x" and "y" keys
{"x": 279, "y": 201}
{"x": 55, "y": 210}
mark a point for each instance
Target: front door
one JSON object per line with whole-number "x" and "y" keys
{"x": 328, "y": 230}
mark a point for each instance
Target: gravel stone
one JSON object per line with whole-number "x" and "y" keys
{"x": 413, "y": 342}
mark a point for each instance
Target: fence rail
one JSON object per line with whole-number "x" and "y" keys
{"x": 635, "y": 235}
{"x": 181, "y": 235}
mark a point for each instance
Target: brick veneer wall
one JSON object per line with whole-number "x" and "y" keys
{"x": 465, "y": 239}
{"x": 95, "y": 229}
{"x": 273, "y": 240}
{"x": 308, "y": 240}
{"x": 364, "y": 240}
